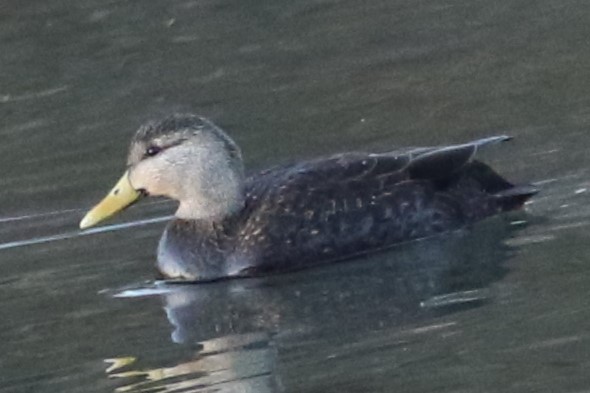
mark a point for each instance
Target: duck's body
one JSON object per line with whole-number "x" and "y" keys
{"x": 321, "y": 210}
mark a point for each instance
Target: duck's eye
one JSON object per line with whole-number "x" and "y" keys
{"x": 152, "y": 151}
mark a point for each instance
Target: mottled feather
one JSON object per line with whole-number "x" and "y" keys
{"x": 337, "y": 207}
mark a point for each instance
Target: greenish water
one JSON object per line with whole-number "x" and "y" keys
{"x": 498, "y": 307}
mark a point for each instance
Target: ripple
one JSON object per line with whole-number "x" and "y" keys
{"x": 87, "y": 232}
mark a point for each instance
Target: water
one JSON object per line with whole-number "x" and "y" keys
{"x": 498, "y": 307}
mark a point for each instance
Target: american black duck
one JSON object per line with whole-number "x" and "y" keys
{"x": 297, "y": 215}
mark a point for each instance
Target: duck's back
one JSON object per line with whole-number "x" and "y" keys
{"x": 345, "y": 205}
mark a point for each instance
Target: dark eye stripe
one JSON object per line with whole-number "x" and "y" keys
{"x": 152, "y": 151}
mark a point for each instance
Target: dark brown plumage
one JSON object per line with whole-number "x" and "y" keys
{"x": 334, "y": 208}
{"x": 297, "y": 215}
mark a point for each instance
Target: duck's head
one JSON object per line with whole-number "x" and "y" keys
{"x": 183, "y": 157}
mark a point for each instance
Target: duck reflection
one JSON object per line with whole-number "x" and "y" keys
{"x": 244, "y": 327}
{"x": 240, "y": 363}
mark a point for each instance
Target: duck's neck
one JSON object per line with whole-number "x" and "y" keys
{"x": 211, "y": 186}
{"x": 212, "y": 207}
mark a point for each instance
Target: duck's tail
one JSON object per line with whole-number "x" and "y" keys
{"x": 506, "y": 195}
{"x": 515, "y": 197}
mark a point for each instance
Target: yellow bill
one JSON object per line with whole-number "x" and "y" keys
{"x": 121, "y": 196}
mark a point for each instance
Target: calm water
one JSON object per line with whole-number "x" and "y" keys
{"x": 499, "y": 307}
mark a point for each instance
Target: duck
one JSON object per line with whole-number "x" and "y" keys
{"x": 302, "y": 214}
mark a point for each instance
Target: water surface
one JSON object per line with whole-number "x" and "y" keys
{"x": 501, "y": 306}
